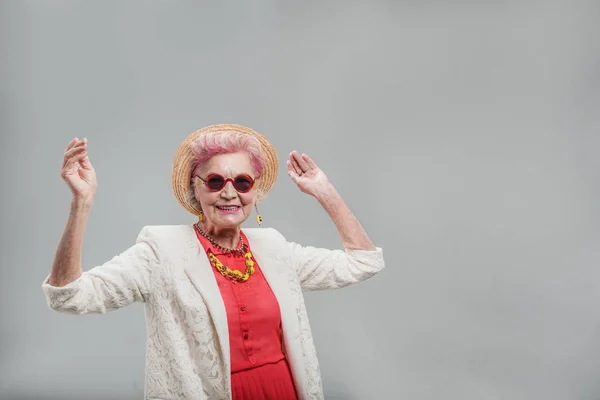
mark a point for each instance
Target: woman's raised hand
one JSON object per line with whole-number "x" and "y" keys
{"x": 307, "y": 175}
{"x": 77, "y": 171}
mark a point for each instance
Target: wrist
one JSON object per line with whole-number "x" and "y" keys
{"x": 326, "y": 194}
{"x": 81, "y": 204}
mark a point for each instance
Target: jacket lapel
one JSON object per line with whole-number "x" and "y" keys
{"x": 200, "y": 273}
{"x": 272, "y": 261}
{"x": 275, "y": 272}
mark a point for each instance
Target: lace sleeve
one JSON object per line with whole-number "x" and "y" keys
{"x": 322, "y": 269}
{"x": 115, "y": 284}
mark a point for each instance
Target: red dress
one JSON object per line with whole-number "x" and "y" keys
{"x": 259, "y": 369}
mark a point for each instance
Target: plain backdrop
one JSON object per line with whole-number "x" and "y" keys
{"x": 464, "y": 135}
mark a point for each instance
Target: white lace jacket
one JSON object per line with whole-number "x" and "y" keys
{"x": 187, "y": 354}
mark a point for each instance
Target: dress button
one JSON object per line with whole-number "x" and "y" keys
{"x": 246, "y": 335}
{"x": 243, "y": 308}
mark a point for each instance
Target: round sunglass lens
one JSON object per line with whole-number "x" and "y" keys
{"x": 215, "y": 183}
{"x": 242, "y": 184}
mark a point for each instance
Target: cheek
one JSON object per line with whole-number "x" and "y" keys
{"x": 205, "y": 198}
{"x": 248, "y": 199}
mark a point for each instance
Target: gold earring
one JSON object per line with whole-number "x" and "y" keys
{"x": 259, "y": 219}
{"x": 200, "y": 216}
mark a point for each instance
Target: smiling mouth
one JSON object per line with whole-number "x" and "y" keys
{"x": 228, "y": 208}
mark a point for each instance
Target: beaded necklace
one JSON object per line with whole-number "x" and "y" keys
{"x": 234, "y": 275}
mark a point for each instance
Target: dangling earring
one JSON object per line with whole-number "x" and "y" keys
{"x": 200, "y": 216}
{"x": 258, "y": 217}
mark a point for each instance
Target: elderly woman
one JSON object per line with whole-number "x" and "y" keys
{"x": 225, "y": 314}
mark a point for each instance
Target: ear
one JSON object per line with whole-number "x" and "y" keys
{"x": 259, "y": 197}
{"x": 196, "y": 189}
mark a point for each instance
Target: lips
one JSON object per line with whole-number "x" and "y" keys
{"x": 228, "y": 208}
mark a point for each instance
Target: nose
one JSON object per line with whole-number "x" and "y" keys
{"x": 228, "y": 191}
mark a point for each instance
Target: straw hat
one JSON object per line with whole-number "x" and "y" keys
{"x": 182, "y": 165}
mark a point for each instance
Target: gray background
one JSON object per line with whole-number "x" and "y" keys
{"x": 464, "y": 135}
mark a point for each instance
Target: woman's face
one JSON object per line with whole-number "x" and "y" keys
{"x": 226, "y": 208}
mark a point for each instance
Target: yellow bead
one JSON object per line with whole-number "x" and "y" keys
{"x": 233, "y": 274}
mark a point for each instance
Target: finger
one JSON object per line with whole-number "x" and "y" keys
{"x": 68, "y": 162}
{"x": 77, "y": 142}
{"x": 301, "y": 162}
{"x": 290, "y": 167}
{"x": 292, "y": 174}
{"x": 77, "y": 145}
{"x": 72, "y": 143}
{"x": 309, "y": 161}
{"x": 69, "y": 168}
{"x": 86, "y": 163}
{"x": 84, "y": 159}
{"x": 295, "y": 164}
{"x": 74, "y": 151}
{"x": 74, "y": 161}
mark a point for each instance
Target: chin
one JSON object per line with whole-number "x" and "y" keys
{"x": 229, "y": 225}
{"x": 228, "y": 222}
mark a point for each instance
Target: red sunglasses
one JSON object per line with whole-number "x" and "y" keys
{"x": 215, "y": 182}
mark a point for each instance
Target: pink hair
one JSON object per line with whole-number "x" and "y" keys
{"x": 212, "y": 143}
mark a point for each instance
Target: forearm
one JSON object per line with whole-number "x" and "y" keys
{"x": 351, "y": 231}
{"x": 67, "y": 261}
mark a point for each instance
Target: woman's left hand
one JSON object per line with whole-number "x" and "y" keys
{"x": 307, "y": 175}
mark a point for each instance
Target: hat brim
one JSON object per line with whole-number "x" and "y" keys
{"x": 184, "y": 157}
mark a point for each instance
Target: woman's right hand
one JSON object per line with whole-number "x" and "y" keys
{"x": 77, "y": 171}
